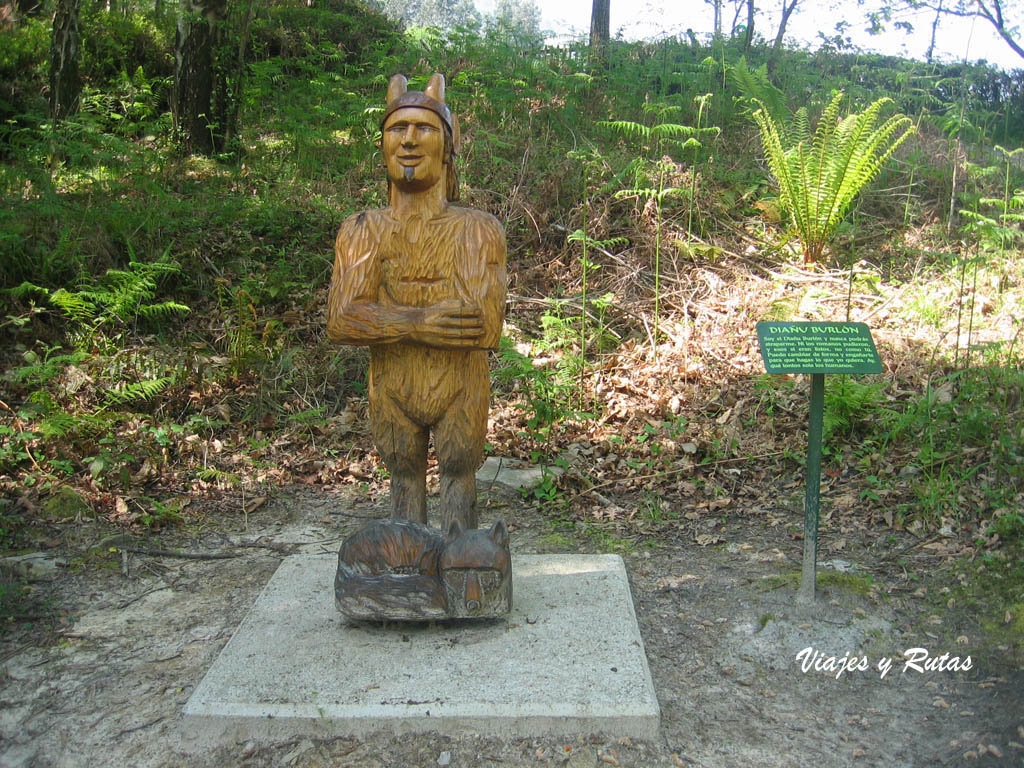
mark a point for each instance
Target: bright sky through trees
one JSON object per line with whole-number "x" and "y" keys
{"x": 658, "y": 18}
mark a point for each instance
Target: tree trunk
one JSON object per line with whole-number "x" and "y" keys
{"x": 229, "y": 72}
{"x": 600, "y": 23}
{"x": 748, "y": 36}
{"x": 197, "y": 38}
{"x": 787, "y": 11}
{"x": 65, "y": 85}
{"x": 935, "y": 26}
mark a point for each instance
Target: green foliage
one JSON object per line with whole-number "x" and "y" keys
{"x": 120, "y": 298}
{"x": 656, "y": 139}
{"x": 998, "y": 231}
{"x": 23, "y": 53}
{"x": 333, "y": 35}
{"x": 130, "y": 105}
{"x": 116, "y": 44}
{"x": 545, "y": 393}
{"x": 138, "y": 391}
{"x": 755, "y": 87}
{"x": 852, "y": 406}
{"x": 818, "y": 177}
{"x": 1009, "y": 528}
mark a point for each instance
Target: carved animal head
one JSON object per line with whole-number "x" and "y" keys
{"x": 476, "y": 569}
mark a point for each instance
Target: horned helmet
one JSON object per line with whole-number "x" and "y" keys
{"x": 431, "y": 98}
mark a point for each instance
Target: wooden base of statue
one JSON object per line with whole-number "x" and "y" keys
{"x": 399, "y": 570}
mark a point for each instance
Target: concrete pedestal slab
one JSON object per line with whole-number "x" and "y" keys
{"x": 569, "y": 659}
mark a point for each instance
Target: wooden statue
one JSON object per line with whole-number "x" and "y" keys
{"x": 422, "y": 283}
{"x": 401, "y": 570}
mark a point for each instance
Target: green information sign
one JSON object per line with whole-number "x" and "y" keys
{"x": 802, "y": 347}
{"x": 817, "y": 349}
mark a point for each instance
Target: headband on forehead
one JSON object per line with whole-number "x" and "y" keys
{"x": 432, "y": 98}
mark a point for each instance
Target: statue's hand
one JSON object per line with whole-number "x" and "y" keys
{"x": 451, "y": 323}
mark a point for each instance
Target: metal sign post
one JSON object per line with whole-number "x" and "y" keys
{"x": 817, "y": 349}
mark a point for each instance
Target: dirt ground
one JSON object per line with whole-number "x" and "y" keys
{"x": 125, "y": 636}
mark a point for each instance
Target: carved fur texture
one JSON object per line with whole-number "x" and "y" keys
{"x": 404, "y": 571}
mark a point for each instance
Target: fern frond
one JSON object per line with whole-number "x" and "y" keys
{"x": 627, "y": 128}
{"x": 690, "y": 143}
{"x": 754, "y": 86}
{"x": 29, "y": 289}
{"x": 164, "y": 309}
{"x": 633, "y": 168}
{"x": 75, "y": 305}
{"x": 138, "y": 391}
{"x": 674, "y": 130}
{"x": 61, "y": 424}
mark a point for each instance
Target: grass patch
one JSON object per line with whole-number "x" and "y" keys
{"x": 607, "y": 542}
{"x": 853, "y": 583}
{"x": 991, "y": 591}
{"x": 556, "y": 540}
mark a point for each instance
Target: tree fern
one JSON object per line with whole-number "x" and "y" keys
{"x": 819, "y": 177}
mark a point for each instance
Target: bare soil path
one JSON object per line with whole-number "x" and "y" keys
{"x": 133, "y": 632}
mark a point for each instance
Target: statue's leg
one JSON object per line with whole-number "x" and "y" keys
{"x": 459, "y": 440}
{"x": 403, "y": 445}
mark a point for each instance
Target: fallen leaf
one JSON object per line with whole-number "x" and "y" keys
{"x": 705, "y": 539}
{"x": 256, "y": 503}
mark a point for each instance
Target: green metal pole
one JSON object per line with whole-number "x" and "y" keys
{"x": 812, "y": 498}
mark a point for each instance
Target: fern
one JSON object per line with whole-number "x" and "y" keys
{"x": 118, "y": 298}
{"x": 755, "y": 87}
{"x": 820, "y": 176}
{"x": 62, "y": 424}
{"x": 76, "y": 306}
{"x": 39, "y": 371}
{"x": 627, "y": 128}
{"x": 138, "y": 391}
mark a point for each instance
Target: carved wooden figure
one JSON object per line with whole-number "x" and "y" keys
{"x": 422, "y": 283}
{"x": 401, "y": 570}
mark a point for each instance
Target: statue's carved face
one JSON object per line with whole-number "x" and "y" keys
{"x": 413, "y": 146}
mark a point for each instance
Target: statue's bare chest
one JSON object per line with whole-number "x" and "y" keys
{"x": 418, "y": 263}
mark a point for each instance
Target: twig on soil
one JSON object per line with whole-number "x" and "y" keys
{"x": 14, "y": 652}
{"x": 182, "y": 555}
{"x": 910, "y": 546}
{"x": 886, "y": 303}
{"x": 126, "y": 731}
{"x": 136, "y": 599}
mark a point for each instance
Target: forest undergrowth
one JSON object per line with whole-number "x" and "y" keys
{"x": 164, "y": 355}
